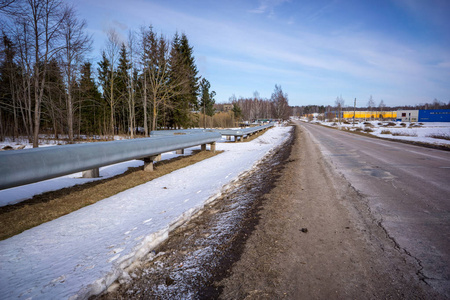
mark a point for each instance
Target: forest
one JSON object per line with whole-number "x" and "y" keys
{"x": 48, "y": 85}
{"x": 148, "y": 82}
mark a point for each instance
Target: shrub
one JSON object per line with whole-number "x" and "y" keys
{"x": 386, "y": 132}
{"x": 404, "y": 134}
{"x": 368, "y": 129}
{"x": 403, "y": 124}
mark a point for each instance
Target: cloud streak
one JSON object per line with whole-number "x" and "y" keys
{"x": 349, "y": 58}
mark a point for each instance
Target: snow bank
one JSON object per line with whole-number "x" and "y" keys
{"x": 82, "y": 253}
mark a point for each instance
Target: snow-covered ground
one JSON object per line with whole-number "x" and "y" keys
{"x": 82, "y": 253}
{"x": 417, "y": 132}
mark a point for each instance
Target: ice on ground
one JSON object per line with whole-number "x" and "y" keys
{"x": 82, "y": 253}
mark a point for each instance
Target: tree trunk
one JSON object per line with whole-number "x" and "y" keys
{"x": 145, "y": 107}
{"x": 154, "y": 113}
{"x": 70, "y": 114}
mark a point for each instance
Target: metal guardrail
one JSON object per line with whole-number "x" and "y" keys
{"x": 250, "y": 130}
{"x": 21, "y": 167}
{"x": 227, "y": 132}
{"x": 178, "y": 131}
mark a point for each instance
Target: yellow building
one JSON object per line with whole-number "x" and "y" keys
{"x": 370, "y": 114}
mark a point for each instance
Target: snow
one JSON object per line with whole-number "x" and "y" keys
{"x": 416, "y": 132}
{"x": 82, "y": 253}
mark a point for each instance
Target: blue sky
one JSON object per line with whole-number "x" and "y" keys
{"x": 395, "y": 50}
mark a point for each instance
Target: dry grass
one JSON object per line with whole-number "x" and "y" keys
{"x": 413, "y": 134}
{"x": 442, "y": 136}
{"x": 51, "y": 205}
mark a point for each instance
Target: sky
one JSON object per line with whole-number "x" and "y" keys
{"x": 397, "y": 51}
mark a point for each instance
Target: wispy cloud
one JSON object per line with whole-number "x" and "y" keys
{"x": 348, "y": 58}
{"x": 267, "y": 6}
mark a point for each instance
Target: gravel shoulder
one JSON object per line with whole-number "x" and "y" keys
{"x": 316, "y": 239}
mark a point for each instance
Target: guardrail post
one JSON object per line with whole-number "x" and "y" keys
{"x": 180, "y": 151}
{"x": 93, "y": 173}
{"x": 148, "y": 162}
{"x": 203, "y": 147}
{"x": 213, "y": 147}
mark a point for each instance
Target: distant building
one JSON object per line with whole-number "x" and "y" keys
{"x": 362, "y": 115}
{"x": 407, "y": 115}
{"x": 424, "y": 115}
{"x": 369, "y": 114}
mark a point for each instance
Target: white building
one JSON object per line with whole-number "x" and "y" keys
{"x": 407, "y": 115}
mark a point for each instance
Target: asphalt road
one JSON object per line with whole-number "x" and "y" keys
{"x": 407, "y": 189}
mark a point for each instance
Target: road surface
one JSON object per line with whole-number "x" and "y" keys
{"x": 332, "y": 216}
{"x": 408, "y": 191}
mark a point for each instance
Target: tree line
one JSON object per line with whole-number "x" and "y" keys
{"x": 254, "y": 108}
{"x": 48, "y": 85}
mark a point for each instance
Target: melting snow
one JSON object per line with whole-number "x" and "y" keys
{"x": 82, "y": 253}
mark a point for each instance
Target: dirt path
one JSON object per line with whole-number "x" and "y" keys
{"x": 317, "y": 240}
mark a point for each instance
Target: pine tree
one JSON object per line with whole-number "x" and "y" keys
{"x": 91, "y": 106}
{"x": 9, "y": 72}
{"x": 207, "y": 99}
{"x": 104, "y": 71}
{"x": 122, "y": 86}
{"x": 54, "y": 106}
{"x": 185, "y": 74}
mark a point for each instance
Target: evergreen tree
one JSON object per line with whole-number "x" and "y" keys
{"x": 192, "y": 72}
{"x": 184, "y": 75}
{"x": 207, "y": 99}
{"x": 8, "y": 88}
{"x": 54, "y": 106}
{"x": 122, "y": 87}
{"x": 91, "y": 108}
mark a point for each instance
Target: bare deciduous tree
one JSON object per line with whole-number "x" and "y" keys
{"x": 370, "y": 105}
{"x": 76, "y": 44}
{"x": 112, "y": 54}
{"x": 339, "y": 105}
{"x": 280, "y": 103}
{"x": 41, "y": 21}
